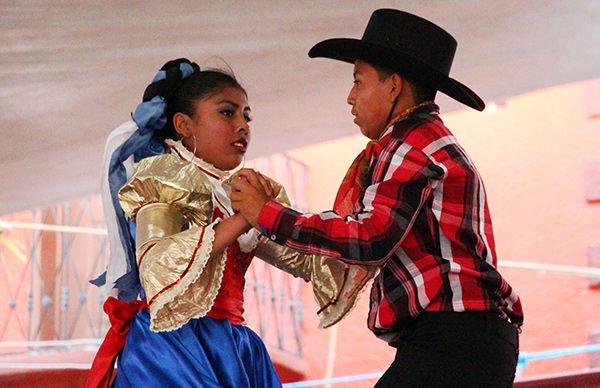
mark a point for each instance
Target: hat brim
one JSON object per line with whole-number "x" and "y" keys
{"x": 349, "y": 50}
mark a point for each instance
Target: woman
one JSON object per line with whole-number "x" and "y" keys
{"x": 179, "y": 317}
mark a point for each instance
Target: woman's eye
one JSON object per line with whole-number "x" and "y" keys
{"x": 356, "y": 82}
{"x": 248, "y": 118}
{"x": 227, "y": 112}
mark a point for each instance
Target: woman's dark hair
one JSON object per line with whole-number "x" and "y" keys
{"x": 196, "y": 87}
{"x": 182, "y": 93}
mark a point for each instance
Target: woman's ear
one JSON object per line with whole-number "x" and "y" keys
{"x": 182, "y": 124}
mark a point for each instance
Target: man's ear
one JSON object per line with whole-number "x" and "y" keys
{"x": 182, "y": 124}
{"x": 395, "y": 85}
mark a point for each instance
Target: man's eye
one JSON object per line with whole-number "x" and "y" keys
{"x": 356, "y": 82}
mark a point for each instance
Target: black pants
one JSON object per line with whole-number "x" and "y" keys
{"x": 446, "y": 349}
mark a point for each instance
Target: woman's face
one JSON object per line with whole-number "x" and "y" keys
{"x": 220, "y": 128}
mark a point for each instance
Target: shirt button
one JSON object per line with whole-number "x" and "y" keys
{"x": 273, "y": 237}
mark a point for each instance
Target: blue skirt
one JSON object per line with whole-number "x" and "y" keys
{"x": 205, "y": 352}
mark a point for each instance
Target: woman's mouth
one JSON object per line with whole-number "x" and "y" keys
{"x": 240, "y": 145}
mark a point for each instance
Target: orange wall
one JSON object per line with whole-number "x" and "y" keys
{"x": 531, "y": 153}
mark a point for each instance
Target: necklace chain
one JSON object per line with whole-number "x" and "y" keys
{"x": 409, "y": 110}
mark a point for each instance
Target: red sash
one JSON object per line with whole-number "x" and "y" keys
{"x": 353, "y": 182}
{"x": 120, "y": 315}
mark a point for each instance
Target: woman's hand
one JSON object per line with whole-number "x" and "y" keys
{"x": 250, "y": 191}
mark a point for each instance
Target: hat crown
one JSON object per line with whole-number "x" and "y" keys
{"x": 413, "y": 36}
{"x": 407, "y": 44}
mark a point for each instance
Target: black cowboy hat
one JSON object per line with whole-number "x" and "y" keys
{"x": 408, "y": 44}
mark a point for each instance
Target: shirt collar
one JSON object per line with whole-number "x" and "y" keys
{"x": 386, "y": 132}
{"x": 402, "y": 127}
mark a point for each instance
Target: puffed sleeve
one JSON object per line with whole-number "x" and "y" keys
{"x": 171, "y": 203}
{"x": 335, "y": 285}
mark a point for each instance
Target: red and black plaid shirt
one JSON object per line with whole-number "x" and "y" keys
{"x": 422, "y": 219}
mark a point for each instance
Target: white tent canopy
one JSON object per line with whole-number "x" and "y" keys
{"x": 72, "y": 71}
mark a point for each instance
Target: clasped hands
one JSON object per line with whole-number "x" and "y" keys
{"x": 250, "y": 191}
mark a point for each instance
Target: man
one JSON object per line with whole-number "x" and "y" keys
{"x": 413, "y": 205}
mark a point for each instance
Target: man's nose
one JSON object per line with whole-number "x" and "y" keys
{"x": 351, "y": 98}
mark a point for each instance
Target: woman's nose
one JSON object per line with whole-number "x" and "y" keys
{"x": 243, "y": 126}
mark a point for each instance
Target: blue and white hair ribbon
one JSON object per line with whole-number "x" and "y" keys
{"x": 131, "y": 142}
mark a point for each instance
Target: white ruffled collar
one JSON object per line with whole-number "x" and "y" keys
{"x": 248, "y": 241}
{"x": 188, "y": 156}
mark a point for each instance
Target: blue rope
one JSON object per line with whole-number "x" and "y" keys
{"x": 335, "y": 380}
{"x": 524, "y": 358}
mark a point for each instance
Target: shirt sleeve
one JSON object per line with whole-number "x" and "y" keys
{"x": 387, "y": 210}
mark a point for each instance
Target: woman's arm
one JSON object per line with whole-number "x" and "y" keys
{"x": 227, "y": 231}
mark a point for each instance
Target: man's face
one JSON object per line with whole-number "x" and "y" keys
{"x": 370, "y": 100}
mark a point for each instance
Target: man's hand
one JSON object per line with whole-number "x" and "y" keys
{"x": 250, "y": 191}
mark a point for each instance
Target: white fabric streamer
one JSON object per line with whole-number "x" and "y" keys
{"x": 117, "y": 264}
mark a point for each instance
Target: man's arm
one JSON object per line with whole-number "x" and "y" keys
{"x": 388, "y": 210}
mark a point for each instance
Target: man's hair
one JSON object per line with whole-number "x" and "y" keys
{"x": 420, "y": 92}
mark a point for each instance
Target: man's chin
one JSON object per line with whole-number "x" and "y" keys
{"x": 366, "y": 132}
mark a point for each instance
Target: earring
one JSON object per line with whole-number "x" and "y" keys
{"x": 193, "y": 152}
{"x": 195, "y": 144}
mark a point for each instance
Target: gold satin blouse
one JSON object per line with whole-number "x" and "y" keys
{"x": 172, "y": 202}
